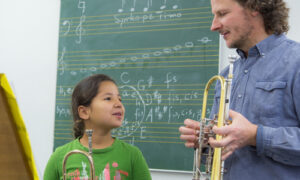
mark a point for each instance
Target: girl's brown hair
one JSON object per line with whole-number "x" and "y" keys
{"x": 83, "y": 94}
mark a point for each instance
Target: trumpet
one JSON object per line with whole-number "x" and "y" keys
{"x": 214, "y": 166}
{"x": 89, "y": 133}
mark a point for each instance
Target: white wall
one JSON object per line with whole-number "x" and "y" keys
{"x": 28, "y": 56}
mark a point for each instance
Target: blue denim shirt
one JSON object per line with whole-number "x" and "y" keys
{"x": 266, "y": 90}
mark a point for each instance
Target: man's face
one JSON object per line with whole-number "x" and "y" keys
{"x": 233, "y": 22}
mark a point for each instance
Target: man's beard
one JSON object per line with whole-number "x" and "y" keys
{"x": 243, "y": 39}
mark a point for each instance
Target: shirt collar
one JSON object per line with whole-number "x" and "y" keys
{"x": 263, "y": 47}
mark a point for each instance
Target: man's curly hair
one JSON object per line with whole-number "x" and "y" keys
{"x": 274, "y": 12}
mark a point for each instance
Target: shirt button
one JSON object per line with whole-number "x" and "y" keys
{"x": 239, "y": 96}
{"x": 225, "y": 170}
{"x": 245, "y": 71}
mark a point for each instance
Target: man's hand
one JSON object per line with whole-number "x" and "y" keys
{"x": 238, "y": 134}
{"x": 190, "y": 133}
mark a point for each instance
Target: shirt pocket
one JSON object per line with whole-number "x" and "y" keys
{"x": 268, "y": 98}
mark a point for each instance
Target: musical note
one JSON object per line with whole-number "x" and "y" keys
{"x": 164, "y": 5}
{"x": 122, "y": 9}
{"x": 133, "y": 8}
{"x": 66, "y": 22}
{"x": 73, "y": 73}
{"x": 81, "y": 5}
{"x": 149, "y": 4}
{"x": 79, "y": 29}
{"x": 204, "y": 40}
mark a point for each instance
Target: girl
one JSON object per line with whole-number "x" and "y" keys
{"x": 96, "y": 104}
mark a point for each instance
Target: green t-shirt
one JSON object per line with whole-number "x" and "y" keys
{"x": 120, "y": 161}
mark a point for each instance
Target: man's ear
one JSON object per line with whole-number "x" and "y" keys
{"x": 254, "y": 13}
{"x": 84, "y": 112}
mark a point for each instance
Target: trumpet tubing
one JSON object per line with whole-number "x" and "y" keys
{"x": 214, "y": 165}
{"x": 88, "y": 155}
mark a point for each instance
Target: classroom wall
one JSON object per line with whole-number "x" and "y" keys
{"x": 28, "y": 56}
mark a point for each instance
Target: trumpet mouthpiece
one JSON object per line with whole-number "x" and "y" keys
{"x": 89, "y": 132}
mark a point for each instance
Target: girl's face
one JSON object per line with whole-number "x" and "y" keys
{"x": 106, "y": 110}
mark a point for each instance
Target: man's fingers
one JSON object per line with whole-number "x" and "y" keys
{"x": 191, "y": 138}
{"x": 188, "y": 131}
{"x": 191, "y": 127}
{"x": 189, "y": 144}
{"x": 226, "y": 155}
{"x": 233, "y": 114}
{"x": 224, "y": 130}
{"x": 220, "y": 143}
{"x": 214, "y": 143}
{"x": 192, "y": 124}
{"x": 225, "y": 141}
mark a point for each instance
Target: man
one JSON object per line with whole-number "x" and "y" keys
{"x": 263, "y": 141}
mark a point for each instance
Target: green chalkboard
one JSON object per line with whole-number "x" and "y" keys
{"x": 160, "y": 52}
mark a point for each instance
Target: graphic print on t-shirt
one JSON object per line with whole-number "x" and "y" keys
{"x": 82, "y": 174}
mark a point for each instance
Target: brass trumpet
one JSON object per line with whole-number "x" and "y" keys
{"x": 89, "y": 133}
{"x": 213, "y": 163}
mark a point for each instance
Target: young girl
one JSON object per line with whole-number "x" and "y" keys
{"x": 96, "y": 105}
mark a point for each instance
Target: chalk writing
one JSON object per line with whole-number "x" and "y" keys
{"x": 79, "y": 29}
{"x": 136, "y": 58}
{"x": 147, "y": 6}
{"x": 155, "y": 106}
{"x": 61, "y": 63}
{"x": 68, "y": 24}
